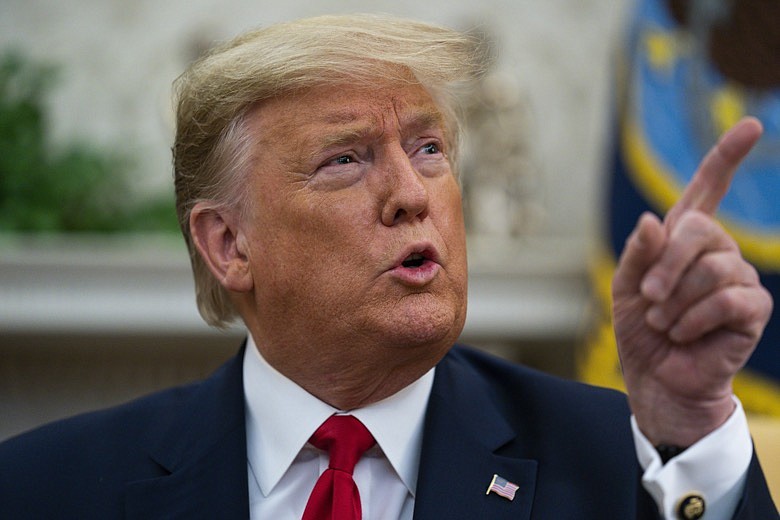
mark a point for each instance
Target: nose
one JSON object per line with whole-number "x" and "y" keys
{"x": 407, "y": 195}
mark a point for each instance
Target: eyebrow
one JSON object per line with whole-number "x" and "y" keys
{"x": 429, "y": 117}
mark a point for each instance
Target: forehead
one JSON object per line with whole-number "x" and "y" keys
{"x": 342, "y": 108}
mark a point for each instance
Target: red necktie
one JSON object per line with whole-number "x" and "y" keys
{"x": 335, "y": 495}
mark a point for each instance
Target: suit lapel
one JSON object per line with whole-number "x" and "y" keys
{"x": 462, "y": 451}
{"x": 202, "y": 450}
{"x": 201, "y": 446}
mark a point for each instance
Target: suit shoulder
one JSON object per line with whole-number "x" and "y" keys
{"x": 80, "y": 467}
{"x": 104, "y": 434}
{"x": 573, "y": 430}
{"x": 535, "y": 391}
{"x": 115, "y": 435}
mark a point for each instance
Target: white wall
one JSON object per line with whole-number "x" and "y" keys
{"x": 84, "y": 328}
{"x": 119, "y": 58}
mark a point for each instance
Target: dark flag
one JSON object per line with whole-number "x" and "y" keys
{"x": 690, "y": 70}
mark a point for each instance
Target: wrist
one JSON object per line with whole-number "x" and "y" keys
{"x": 679, "y": 424}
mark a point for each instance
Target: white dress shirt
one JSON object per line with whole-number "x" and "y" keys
{"x": 283, "y": 467}
{"x": 715, "y": 468}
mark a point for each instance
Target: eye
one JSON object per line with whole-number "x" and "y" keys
{"x": 339, "y": 160}
{"x": 343, "y": 159}
{"x": 430, "y": 148}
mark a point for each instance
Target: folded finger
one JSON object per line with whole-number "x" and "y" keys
{"x": 742, "y": 310}
{"x": 642, "y": 247}
{"x": 695, "y": 235}
{"x": 709, "y": 273}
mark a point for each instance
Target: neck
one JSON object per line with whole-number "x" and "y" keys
{"x": 350, "y": 391}
{"x": 350, "y": 382}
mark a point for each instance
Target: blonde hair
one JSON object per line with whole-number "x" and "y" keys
{"x": 213, "y": 147}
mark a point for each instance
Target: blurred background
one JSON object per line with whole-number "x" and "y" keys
{"x": 92, "y": 268}
{"x": 96, "y": 297}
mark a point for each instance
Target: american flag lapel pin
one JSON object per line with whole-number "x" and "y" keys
{"x": 502, "y": 487}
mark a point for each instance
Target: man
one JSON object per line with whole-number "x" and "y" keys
{"x": 315, "y": 177}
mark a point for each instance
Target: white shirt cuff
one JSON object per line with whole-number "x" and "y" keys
{"x": 714, "y": 468}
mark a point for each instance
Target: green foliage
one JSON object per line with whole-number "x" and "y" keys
{"x": 78, "y": 188}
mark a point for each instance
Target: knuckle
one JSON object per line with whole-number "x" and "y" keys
{"x": 696, "y": 221}
{"x": 699, "y": 227}
{"x": 747, "y": 306}
{"x": 712, "y": 268}
{"x": 711, "y": 271}
{"x": 766, "y": 302}
{"x": 751, "y": 276}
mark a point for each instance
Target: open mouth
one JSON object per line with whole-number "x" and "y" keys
{"x": 414, "y": 260}
{"x": 419, "y": 267}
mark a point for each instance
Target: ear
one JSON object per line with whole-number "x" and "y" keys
{"x": 216, "y": 237}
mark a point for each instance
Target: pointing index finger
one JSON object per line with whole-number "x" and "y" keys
{"x": 713, "y": 177}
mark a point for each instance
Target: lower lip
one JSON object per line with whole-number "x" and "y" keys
{"x": 416, "y": 276}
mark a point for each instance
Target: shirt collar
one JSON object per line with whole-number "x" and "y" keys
{"x": 281, "y": 416}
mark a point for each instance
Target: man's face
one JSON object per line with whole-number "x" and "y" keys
{"x": 354, "y": 231}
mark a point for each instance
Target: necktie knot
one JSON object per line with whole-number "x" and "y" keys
{"x": 345, "y": 439}
{"x": 335, "y": 495}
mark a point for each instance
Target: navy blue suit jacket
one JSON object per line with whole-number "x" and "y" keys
{"x": 181, "y": 453}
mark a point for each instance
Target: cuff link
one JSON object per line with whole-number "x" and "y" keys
{"x": 691, "y": 507}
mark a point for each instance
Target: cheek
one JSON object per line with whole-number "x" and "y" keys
{"x": 454, "y": 234}
{"x": 316, "y": 238}
{"x": 448, "y": 206}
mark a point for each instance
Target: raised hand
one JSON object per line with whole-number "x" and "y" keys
{"x": 688, "y": 309}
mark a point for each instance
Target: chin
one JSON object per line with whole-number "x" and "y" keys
{"x": 436, "y": 328}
